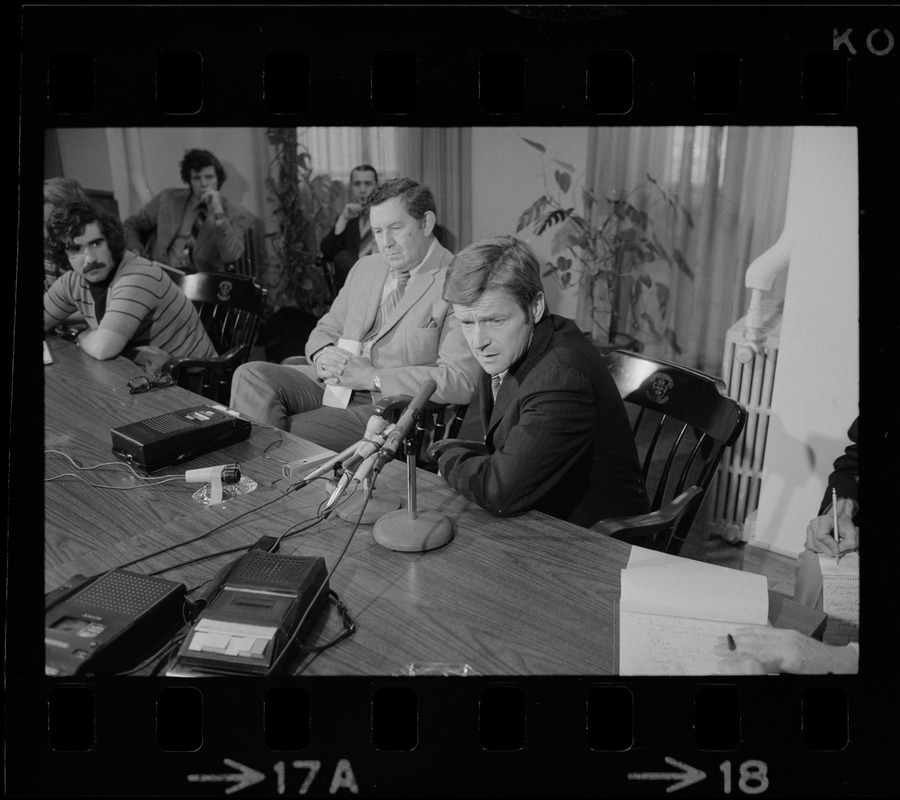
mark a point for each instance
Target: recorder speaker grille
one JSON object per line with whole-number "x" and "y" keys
{"x": 124, "y": 592}
{"x": 168, "y": 423}
{"x": 262, "y": 567}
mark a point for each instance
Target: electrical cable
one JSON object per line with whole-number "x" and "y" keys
{"x": 155, "y": 480}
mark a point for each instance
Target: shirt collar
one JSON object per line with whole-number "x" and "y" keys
{"x": 418, "y": 268}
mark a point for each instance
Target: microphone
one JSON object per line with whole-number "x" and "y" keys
{"x": 229, "y": 473}
{"x": 217, "y": 476}
{"x": 375, "y": 426}
{"x": 404, "y": 425}
{"x": 364, "y": 452}
{"x": 365, "y": 469}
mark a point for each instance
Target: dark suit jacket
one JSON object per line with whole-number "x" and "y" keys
{"x": 845, "y": 475}
{"x": 333, "y": 243}
{"x": 558, "y": 439}
{"x": 342, "y": 250}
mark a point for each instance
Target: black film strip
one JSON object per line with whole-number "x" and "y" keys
{"x": 89, "y": 67}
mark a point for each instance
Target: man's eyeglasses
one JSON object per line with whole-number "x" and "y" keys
{"x": 144, "y": 384}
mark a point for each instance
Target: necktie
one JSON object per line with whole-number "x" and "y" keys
{"x": 390, "y": 302}
{"x": 496, "y": 380}
{"x": 191, "y": 246}
{"x": 366, "y": 240}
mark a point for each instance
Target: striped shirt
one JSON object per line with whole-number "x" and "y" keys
{"x": 142, "y": 304}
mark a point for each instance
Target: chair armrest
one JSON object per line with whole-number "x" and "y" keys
{"x": 393, "y": 403}
{"x": 437, "y": 449}
{"x": 642, "y": 527}
{"x": 229, "y": 358}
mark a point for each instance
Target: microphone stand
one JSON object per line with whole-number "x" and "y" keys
{"x": 410, "y": 530}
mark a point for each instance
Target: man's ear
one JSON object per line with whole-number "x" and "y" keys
{"x": 428, "y": 222}
{"x": 537, "y": 307}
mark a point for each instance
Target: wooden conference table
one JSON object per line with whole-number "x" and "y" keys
{"x": 530, "y": 595}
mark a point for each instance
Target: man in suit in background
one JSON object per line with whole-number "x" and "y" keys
{"x": 387, "y": 332}
{"x": 195, "y": 229}
{"x": 351, "y": 238}
{"x": 557, "y": 433}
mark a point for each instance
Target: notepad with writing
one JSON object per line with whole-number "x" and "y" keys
{"x": 840, "y": 596}
{"x": 673, "y": 609}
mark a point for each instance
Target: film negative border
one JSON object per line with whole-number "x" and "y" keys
{"x": 502, "y": 735}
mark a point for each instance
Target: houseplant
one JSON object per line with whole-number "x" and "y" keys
{"x": 301, "y": 206}
{"x": 607, "y": 250}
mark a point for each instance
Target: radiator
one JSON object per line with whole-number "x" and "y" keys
{"x": 749, "y": 379}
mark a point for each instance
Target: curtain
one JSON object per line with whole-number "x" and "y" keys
{"x": 733, "y": 183}
{"x": 336, "y": 150}
{"x": 441, "y": 159}
{"x": 52, "y": 157}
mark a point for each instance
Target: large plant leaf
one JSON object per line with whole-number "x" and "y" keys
{"x": 672, "y": 341}
{"x": 662, "y": 296}
{"x": 661, "y": 249}
{"x": 535, "y": 145}
{"x": 530, "y": 214}
{"x": 651, "y": 326}
{"x": 553, "y": 218}
{"x": 563, "y": 180}
{"x": 682, "y": 264}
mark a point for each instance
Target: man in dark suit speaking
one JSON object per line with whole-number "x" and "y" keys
{"x": 556, "y": 431}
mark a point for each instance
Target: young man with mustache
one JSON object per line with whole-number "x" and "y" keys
{"x": 126, "y": 300}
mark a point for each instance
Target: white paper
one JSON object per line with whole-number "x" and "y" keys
{"x": 840, "y": 597}
{"x": 339, "y": 396}
{"x": 673, "y": 609}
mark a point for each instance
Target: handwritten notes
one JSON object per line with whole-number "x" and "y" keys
{"x": 840, "y": 597}
{"x": 673, "y": 609}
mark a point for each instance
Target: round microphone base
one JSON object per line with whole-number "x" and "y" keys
{"x": 428, "y": 531}
{"x": 376, "y": 508}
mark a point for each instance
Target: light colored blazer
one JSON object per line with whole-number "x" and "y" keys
{"x": 420, "y": 340}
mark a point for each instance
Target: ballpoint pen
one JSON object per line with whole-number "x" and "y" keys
{"x": 837, "y": 534}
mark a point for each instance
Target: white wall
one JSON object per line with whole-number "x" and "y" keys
{"x": 85, "y": 157}
{"x": 816, "y": 390}
{"x": 507, "y": 177}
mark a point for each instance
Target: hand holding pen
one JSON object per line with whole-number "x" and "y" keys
{"x": 834, "y": 532}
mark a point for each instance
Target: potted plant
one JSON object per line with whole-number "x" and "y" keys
{"x": 607, "y": 250}
{"x": 301, "y": 206}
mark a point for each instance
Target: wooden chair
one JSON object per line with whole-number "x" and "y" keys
{"x": 248, "y": 265}
{"x": 230, "y": 307}
{"x": 683, "y": 424}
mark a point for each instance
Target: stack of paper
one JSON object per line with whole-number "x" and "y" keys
{"x": 840, "y": 597}
{"x": 673, "y": 609}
